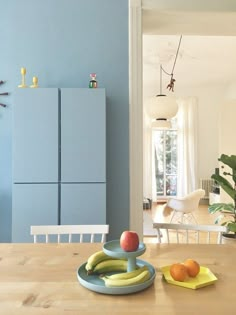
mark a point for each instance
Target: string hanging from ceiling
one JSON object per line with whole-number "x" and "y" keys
{"x": 161, "y": 107}
{"x": 170, "y": 86}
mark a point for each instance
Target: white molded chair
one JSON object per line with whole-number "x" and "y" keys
{"x": 187, "y": 233}
{"x": 184, "y": 207}
{"x": 69, "y": 230}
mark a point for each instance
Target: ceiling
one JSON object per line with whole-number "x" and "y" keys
{"x": 207, "y": 54}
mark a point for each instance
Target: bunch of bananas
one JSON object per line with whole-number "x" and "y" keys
{"x": 99, "y": 263}
{"x": 135, "y": 277}
{"x": 102, "y": 264}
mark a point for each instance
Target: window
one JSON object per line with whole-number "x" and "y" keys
{"x": 165, "y": 157}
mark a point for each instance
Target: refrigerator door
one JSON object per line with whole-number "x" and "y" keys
{"x": 35, "y": 136}
{"x": 83, "y": 135}
{"x": 33, "y": 204}
{"x": 83, "y": 203}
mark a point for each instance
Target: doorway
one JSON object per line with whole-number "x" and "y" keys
{"x": 219, "y": 21}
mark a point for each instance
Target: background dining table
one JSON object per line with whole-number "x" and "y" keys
{"x": 42, "y": 279}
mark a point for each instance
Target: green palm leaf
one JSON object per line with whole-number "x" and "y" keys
{"x": 229, "y": 160}
{"x": 221, "y": 207}
{"x": 232, "y": 226}
{"x": 225, "y": 184}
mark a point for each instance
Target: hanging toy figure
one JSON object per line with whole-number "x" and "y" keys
{"x": 170, "y": 86}
{"x": 93, "y": 82}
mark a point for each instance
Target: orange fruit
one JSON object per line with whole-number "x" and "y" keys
{"x": 178, "y": 272}
{"x": 192, "y": 266}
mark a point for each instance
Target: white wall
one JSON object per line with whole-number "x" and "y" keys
{"x": 210, "y": 99}
{"x": 227, "y": 131}
{"x": 200, "y": 5}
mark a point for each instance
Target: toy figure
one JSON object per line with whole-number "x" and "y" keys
{"x": 93, "y": 82}
{"x": 170, "y": 86}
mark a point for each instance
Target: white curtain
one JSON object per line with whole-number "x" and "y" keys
{"x": 187, "y": 150}
{"x": 187, "y": 145}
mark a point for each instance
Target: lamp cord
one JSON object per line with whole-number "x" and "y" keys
{"x": 170, "y": 86}
{"x": 176, "y": 55}
{"x": 161, "y": 79}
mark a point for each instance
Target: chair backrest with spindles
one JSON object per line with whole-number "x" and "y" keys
{"x": 93, "y": 231}
{"x": 186, "y": 233}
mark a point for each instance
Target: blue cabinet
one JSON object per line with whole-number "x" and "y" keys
{"x": 59, "y": 158}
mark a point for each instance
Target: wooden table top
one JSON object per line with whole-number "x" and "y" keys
{"x": 42, "y": 279}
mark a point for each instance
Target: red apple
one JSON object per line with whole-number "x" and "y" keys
{"x": 129, "y": 241}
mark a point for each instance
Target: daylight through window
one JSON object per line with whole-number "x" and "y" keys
{"x": 165, "y": 157}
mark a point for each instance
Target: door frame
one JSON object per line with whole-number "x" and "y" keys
{"x": 135, "y": 117}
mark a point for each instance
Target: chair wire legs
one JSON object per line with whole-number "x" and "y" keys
{"x": 183, "y": 218}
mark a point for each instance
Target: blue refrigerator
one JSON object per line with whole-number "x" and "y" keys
{"x": 59, "y": 158}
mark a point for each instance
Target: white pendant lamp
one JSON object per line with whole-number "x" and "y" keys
{"x": 162, "y": 108}
{"x": 161, "y": 124}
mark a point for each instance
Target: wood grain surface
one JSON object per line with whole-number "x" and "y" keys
{"x": 42, "y": 279}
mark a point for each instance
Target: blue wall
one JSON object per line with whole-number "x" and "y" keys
{"x": 62, "y": 42}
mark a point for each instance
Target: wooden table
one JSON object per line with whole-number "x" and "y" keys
{"x": 42, "y": 279}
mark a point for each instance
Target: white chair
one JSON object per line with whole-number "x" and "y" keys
{"x": 187, "y": 233}
{"x": 184, "y": 207}
{"x": 82, "y": 230}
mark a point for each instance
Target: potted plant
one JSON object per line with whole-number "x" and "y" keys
{"x": 227, "y": 211}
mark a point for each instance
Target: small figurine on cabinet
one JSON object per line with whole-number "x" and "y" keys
{"x": 93, "y": 82}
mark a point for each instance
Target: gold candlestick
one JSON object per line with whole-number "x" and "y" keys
{"x": 23, "y": 73}
{"x": 35, "y": 83}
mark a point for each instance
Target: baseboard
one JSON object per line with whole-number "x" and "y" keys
{"x": 161, "y": 202}
{"x": 204, "y": 202}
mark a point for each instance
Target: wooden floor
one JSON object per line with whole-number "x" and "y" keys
{"x": 158, "y": 214}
